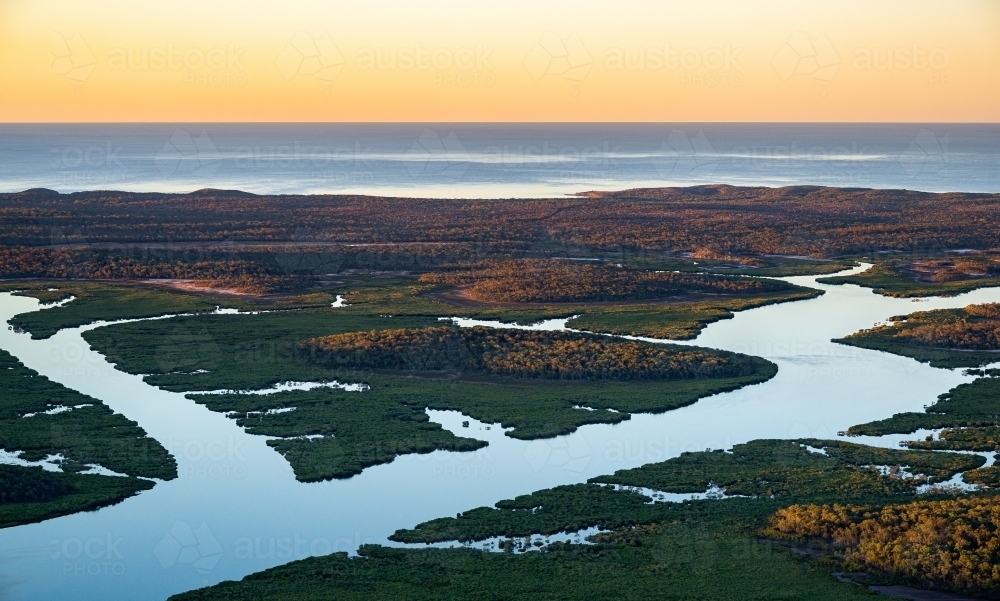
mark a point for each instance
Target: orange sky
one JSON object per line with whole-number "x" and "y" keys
{"x": 705, "y": 60}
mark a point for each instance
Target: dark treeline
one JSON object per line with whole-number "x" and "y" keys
{"x": 525, "y": 354}
{"x": 245, "y": 276}
{"x": 719, "y": 220}
{"x": 257, "y": 269}
{"x": 541, "y": 281}
{"x": 30, "y": 485}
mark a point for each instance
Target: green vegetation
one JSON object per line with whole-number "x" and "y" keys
{"x": 42, "y": 419}
{"x": 984, "y": 476}
{"x": 900, "y": 279}
{"x": 708, "y": 549}
{"x": 665, "y": 561}
{"x": 613, "y": 299}
{"x": 562, "y": 509}
{"x": 779, "y": 267}
{"x": 472, "y": 257}
{"x": 541, "y": 410}
{"x": 968, "y": 337}
{"x": 359, "y": 429}
{"x": 106, "y": 302}
{"x": 961, "y": 439}
{"x": 762, "y": 469}
{"x": 968, "y": 415}
{"x": 234, "y": 352}
{"x": 771, "y": 467}
{"x": 971, "y": 404}
{"x": 45, "y": 294}
{"x": 30, "y": 485}
{"x": 336, "y": 434}
{"x": 676, "y": 321}
{"x": 29, "y": 494}
{"x": 929, "y": 467}
{"x": 96, "y": 302}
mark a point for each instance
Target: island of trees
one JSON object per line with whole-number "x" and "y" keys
{"x": 524, "y": 354}
{"x": 952, "y": 544}
{"x": 946, "y": 338}
{"x": 548, "y": 281}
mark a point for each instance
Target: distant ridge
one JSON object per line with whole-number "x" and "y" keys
{"x": 218, "y": 192}
{"x": 728, "y": 192}
{"x": 42, "y": 192}
{"x": 203, "y": 192}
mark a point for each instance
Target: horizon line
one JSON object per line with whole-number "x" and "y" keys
{"x": 502, "y": 122}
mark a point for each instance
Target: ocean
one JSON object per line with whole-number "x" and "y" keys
{"x": 525, "y": 160}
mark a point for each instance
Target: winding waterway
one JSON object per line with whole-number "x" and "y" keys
{"x": 236, "y": 507}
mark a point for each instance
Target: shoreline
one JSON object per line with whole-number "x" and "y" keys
{"x": 624, "y": 190}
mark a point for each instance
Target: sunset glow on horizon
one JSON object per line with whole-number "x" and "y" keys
{"x": 722, "y": 60}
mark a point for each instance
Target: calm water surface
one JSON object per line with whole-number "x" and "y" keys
{"x": 495, "y": 160}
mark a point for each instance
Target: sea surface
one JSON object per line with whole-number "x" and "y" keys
{"x": 236, "y": 507}
{"x": 494, "y": 160}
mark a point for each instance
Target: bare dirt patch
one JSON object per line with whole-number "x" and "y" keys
{"x": 200, "y": 287}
